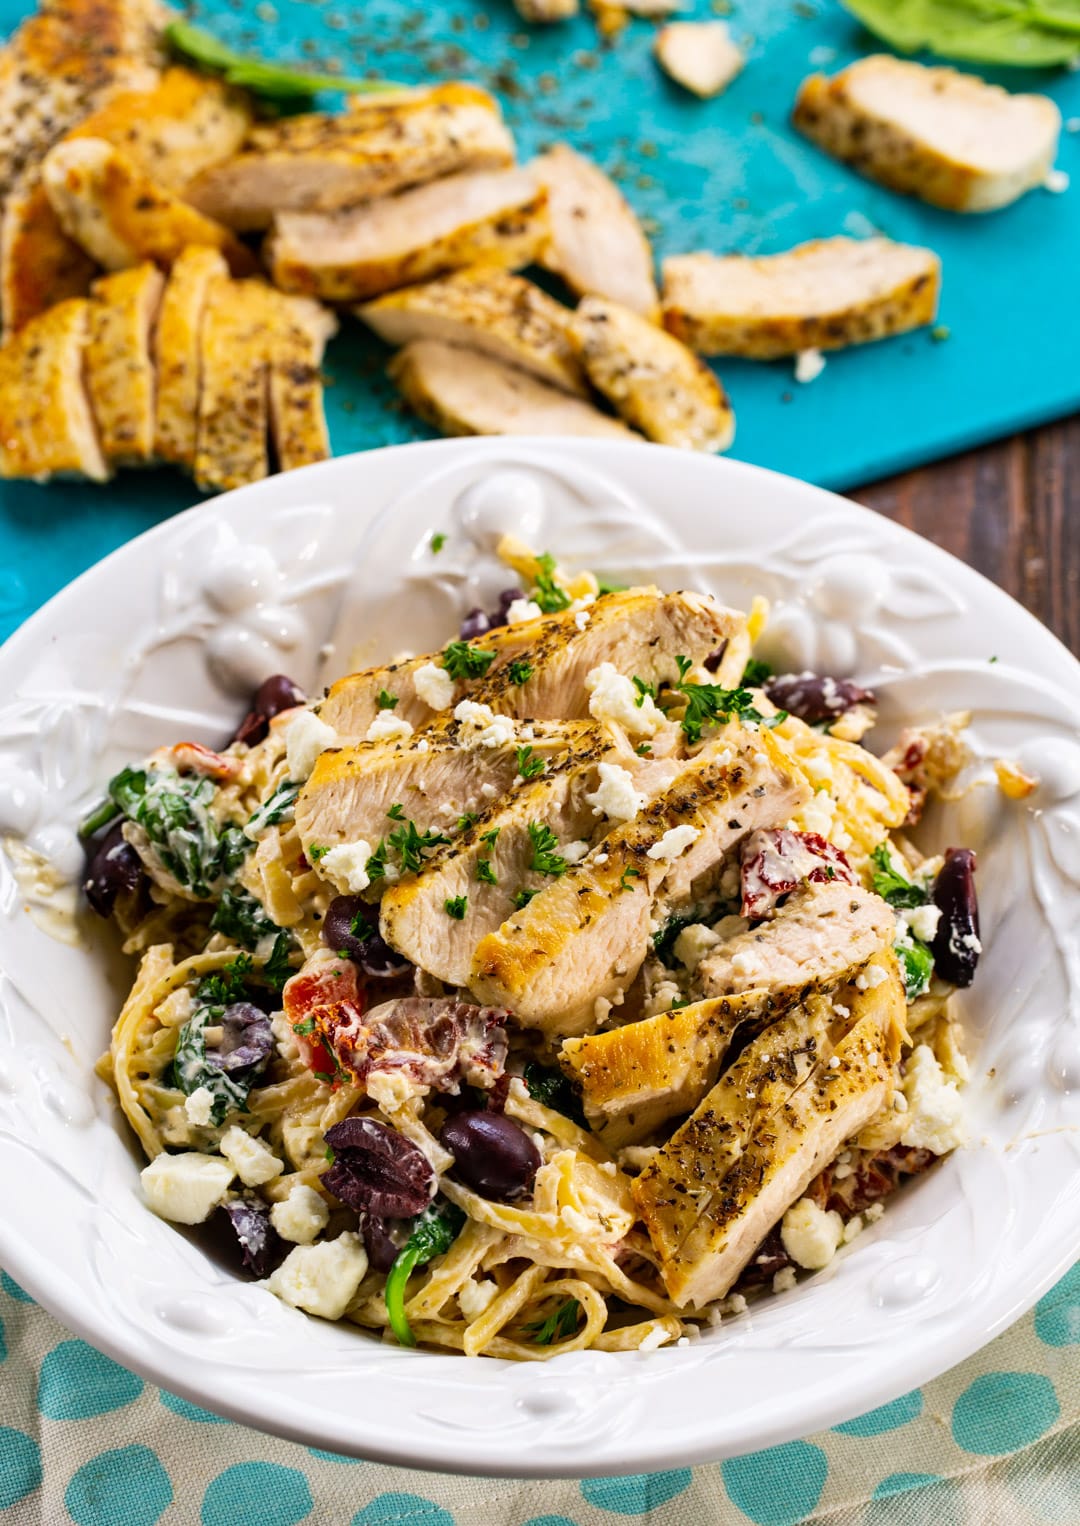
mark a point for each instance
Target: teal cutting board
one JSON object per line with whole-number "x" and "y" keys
{"x": 726, "y": 174}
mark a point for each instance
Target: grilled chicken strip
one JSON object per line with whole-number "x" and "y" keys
{"x": 320, "y": 163}
{"x": 597, "y": 244}
{"x": 462, "y": 392}
{"x": 120, "y": 364}
{"x": 817, "y": 933}
{"x": 822, "y": 295}
{"x": 775, "y": 1118}
{"x": 655, "y": 383}
{"x": 636, "y": 631}
{"x": 299, "y": 331}
{"x": 586, "y": 934}
{"x": 544, "y": 11}
{"x": 699, "y": 55}
{"x": 489, "y": 310}
{"x": 948, "y": 137}
{"x": 39, "y": 264}
{"x": 494, "y": 218}
{"x": 178, "y": 346}
{"x": 46, "y": 427}
{"x": 120, "y": 217}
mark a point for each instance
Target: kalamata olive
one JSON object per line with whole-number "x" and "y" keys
{"x": 716, "y": 657}
{"x": 114, "y": 869}
{"x": 347, "y": 930}
{"x": 492, "y": 1154}
{"x": 260, "y": 1243}
{"x": 500, "y": 615}
{"x": 273, "y": 695}
{"x": 814, "y": 697}
{"x": 377, "y": 1170}
{"x": 475, "y": 623}
{"x": 956, "y": 943}
{"x": 247, "y": 1040}
{"x": 382, "y": 1240}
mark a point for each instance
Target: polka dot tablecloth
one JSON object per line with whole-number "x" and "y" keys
{"x": 996, "y": 1442}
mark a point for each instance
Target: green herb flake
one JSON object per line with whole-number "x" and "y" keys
{"x": 396, "y": 812}
{"x": 644, "y": 691}
{"x": 466, "y": 820}
{"x": 529, "y": 765}
{"x": 627, "y": 876}
{"x": 306, "y": 1027}
{"x": 485, "y": 871}
{"x": 519, "y": 671}
{"x": 643, "y": 750}
{"x": 437, "y": 542}
{"x": 316, "y": 853}
{"x": 891, "y": 884}
{"x": 456, "y": 907}
{"x": 545, "y": 860}
{"x": 385, "y": 700}
{"x": 412, "y": 847}
{"x": 559, "y": 1325}
{"x": 755, "y": 674}
{"x": 461, "y": 660}
{"x": 522, "y": 899}
{"x": 547, "y": 593}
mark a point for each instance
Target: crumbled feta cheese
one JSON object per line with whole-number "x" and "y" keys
{"x": 601, "y": 1010}
{"x": 481, "y": 727}
{"x": 581, "y": 619}
{"x": 784, "y": 1280}
{"x": 346, "y": 866}
{"x": 615, "y": 796}
{"x": 693, "y": 943}
{"x": 303, "y": 1215}
{"x": 900, "y": 1103}
{"x": 284, "y": 1037}
{"x": 853, "y": 1228}
{"x": 186, "y": 1188}
{"x": 475, "y": 1297}
{"x": 818, "y": 770}
{"x": 834, "y": 1062}
{"x": 663, "y": 997}
{"x": 744, "y": 962}
{"x": 684, "y": 1340}
{"x": 321, "y": 1279}
{"x": 602, "y": 858}
{"x": 613, "y": 700}
{"x": 809, "y": 365}
{"x": 488, "y": 791}
{"x": 199, "y": 1106}
{"x": 675, "y": 841}
{"x": 810, "y": 1234}
{"x": 434, "y": 686}
{"x": 388, "y": 727}
{"x": 874, "y": 1212}
{"x": 735, "y": 1303}
{"x": 521, "y": 610}
{"x": 923, "y": 921}
{"x": 253, "y": 1161}
{"x": 655, "y": 1337}
{"x": 423, "y": 745}
{"x": 935, "y": 1119}
{"x": 818, "y": 813}
{"x": 305, "y": 738}
{"x": 574, "y": 852}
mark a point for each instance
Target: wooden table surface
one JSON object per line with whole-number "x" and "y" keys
{"x": 1011, "y": 510}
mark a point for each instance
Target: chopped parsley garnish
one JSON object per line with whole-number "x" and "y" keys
{"x": 277, "y": 969}
{"x": 520, "y": 671}
{"x": 464, "y": 661}
{"x": 376, "y": 864}
{"x": 559, "y": 1325}
{"x": 437, "y": 542}
{"x": 755, "y": 673}
{"x": 492, "y": 837}
{"x": 916, "y": 966}
{"x": 893, "y": 886}
{"x": 227, "y": 984}
{"x": 385, "y": 701}
{"x": 456, "y": 907}
{"x": 522, "y": 899}
{"x": 684, "y": 665}
{"x": 485, "y": 871}
{"x": 412, "y": 847}
{"x": 627, "y": 876}
{"x": 306, "y": 1027}
{"x": 529, "y": 766}
{"x": 605, "y": 585}
{"x": 550, "y": 595}
{"x": 710, "y": 704}
{"x": 664, "y": 941}
{"x": 316, "y": 852}
{"x": 466, "y": 820}
{"x": 242, "y": 918}
{"x": 544, "y": 858}
{"x": 644, "y": 691}
{"x": 396, "y": 812}
{"x": 643, "y": 750}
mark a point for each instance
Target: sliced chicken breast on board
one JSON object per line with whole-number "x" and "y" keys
{"x": 652, "y": 379}
{"x": 597, "y": 244}
{"x": 178, "y": 346}
{"x": 299, "y": 331}
{"x": 46, "y": 427}
{"x": 819, "y": 296}
{"x": 818, "y": 932}
{"x": 120, "y": 364}
{"x": 489, "y": 310}
{"x": 120, "y": 217}
{"x": 950, "y": 138}
{"x": 775, "y": 1118}
{"x": 495, "y": 218}
{"x": 462, "y": 392}
{"x": 586, "y": 934}
{"x": 234, "y": 390}
{"x": 638, "y": 631}
{"x": 322, "y": 163}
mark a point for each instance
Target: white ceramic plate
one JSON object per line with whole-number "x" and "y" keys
{"x": 162, "y": 640}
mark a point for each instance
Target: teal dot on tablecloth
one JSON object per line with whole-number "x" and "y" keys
{"x": 333, "y": 1456}
{"x": 549, "y": 1520}
{"x": 190, "y": 1411}
{"x": 778, "y": 1486}
{"x": 127, "y": 1484}
{"x": 636, "y": 1493}
{"x": 402, "y": 1510}
{"x": 1057, "y": 1314}
{"x": 900, "y": 1483}
{"x": 886, "y": 1418}
{"x": 20, "y": 1466}
{"x": 256, "y": 1494}
{"x": 1001, "y": 1411}
{"x": 78, "y": 1382}
{"x": 3, "y": 1342}
{"x": 12, "y": 1288}
{"x": 932, "y": 1500}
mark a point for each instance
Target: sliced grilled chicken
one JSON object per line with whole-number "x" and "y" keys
{"x": 586, "y": 934}
{"x": 462, "y": 392}
{"x": 120, "y": 364}
{"x": 818, "y": 296}
{"x": 597, "y": 244}
{"x": 948, "y": 137}
{"x": 234, "y": 401}
{"x": 299, "y": 331}
{"x": 546, "y": 10}
{"x": 817, "y": 933}
{"x": 320, "y": 163}
{"x": 637, "y": 632}
{"x": 120, "y": 217}
{"x": 699, "y": 55}
{"x": 46, "y": 427}
{"x": 780, "y": 1113}
{"x": 653, "y": 380}
{"x": 39, "y": 264}
{"x": 485, "y": 309}
{"x": 177, "y": 343}
{"x": 495, "y": 218}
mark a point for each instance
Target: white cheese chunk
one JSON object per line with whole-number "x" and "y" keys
{"x": 935, "y": 1115}
{"x": 186, "y": 1188}
{"x": 388, "y": 727}
{"x": 321, "y": 1279}
{"x": 923, "y": 921}
{"x": 199, "y": 1106}
{"x": 574, "y": 852}
{"x": 345, "y": 866}
{"x": 675, "y": 841}
{"x": 693, "y": 943}
{"x": 811, "y": 1235}
{"x": 614, "y": 701}
{"x": 434, "y": 686}
{"x": 522, "y": 610}
{"x": 305, "y": 738}
{"x": 253, "y": 1161}
{"x": 475, "y": 1297}
{"x": 302, "y": 1216}
{"x": 615, "y": 796}
{"x": 809, "y": 365}
{"x": 481, "y": 727}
